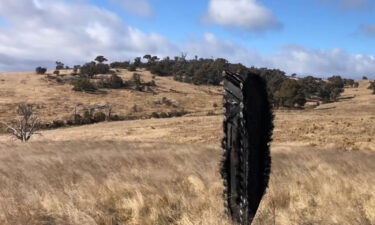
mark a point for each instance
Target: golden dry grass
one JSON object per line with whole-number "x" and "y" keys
{"x": 165, "y": 171}
{"x": 109, "y": 183}
{"x": 56, "y": 101}
{"x": 116, "y": 182}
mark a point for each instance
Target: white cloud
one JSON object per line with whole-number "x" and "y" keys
{"x": 290, "y": 58}
{"x": 300, "y": 60}
{"x": 245, "y": 14}
{"x": 39, "y": 32}
{"x": 139, "y": 7}
{"x": 49, "y": 30}
{"x": 210, "y": 46}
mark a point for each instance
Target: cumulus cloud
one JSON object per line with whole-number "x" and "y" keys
{"x": 212, "y": 47}
{"x": 139, "y": 7}
{"x": 48, "y": 30}
{"x": 246, "y": 14}
{"x": 290, "y": 58}
{"x": 322, "y": 62}
{"x": 39, "y": 32}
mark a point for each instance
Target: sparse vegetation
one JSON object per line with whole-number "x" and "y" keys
{"x": 106, "y": 178}
{"x": 201, "y": 71}
{"x": 91, "y": 69}
{"x": 27, "y": 123}
{"x": 100, "y": 59}
{"x": 166, "y": 101}
{"x": 111, "y": 181}
{"x": 83, "y": 84}
{"x": 174, "y": 113}
{"x": 59, "y": 65}
{"x": 120, "y": 65}
{"x": 113, "y": 82}
{"x": 290, "y": 95}
{"x": 40, "y": 70}
{"x": 138, "y": 84}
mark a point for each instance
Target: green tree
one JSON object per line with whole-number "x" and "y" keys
{"x": 100, "y": 59}
{"x": 290, "y": 94}
{"x": 59, "y": 65}
{"x": 137, "y": 62}
{"x": 83, "y": 84}
{"x": 40, "y": 70}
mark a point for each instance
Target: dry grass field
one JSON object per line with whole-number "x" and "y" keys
{"x": 165, "y": 171}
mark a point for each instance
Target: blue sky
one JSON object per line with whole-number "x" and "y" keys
{"x": 319, "y": 37}
{"x": 310, "y": 23}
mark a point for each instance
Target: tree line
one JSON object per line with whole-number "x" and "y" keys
{"x": 284, "y": 91}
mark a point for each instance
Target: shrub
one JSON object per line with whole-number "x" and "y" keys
{"x": 166, "y": 101}
{"x": 99, "y": 117}
{"x": 76, "y": 120}
{"x": 121, "y": 65}
{"x": 364, "y": 78}
{"x": 88, "y": 69}
{"x": 290, "y": 94}
{"x": 349, "y": 82}
{"x": 56, "y": 72}
{"x": 102, "y": 68}
{"x": 114, "y": 82}
{"x": 27, "y": 125}
{"x": 137, "y": 62}
{"x": 168, "y": 114}
{"x": 75, "y": 69}
{"x": 91, "y": 69}
{"x": 337, "y": 82}
{"x": 59, "y": 65}
{"x": 57, "y": 124}
{"x": 83, "y": 84}
{"x": 137, "y": 82}
{"x": 40, "y": 70}
{"x": 132, "y": 68}
{"x": 100, "y": 59}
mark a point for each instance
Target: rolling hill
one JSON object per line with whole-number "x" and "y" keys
{"x": 165, "y": 171}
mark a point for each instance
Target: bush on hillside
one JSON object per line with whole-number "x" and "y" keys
{"x": 83, "y": 84}
{"x": 59, "y": 65}
{"x": 40, "y": 70}
{"x": 120, "y": 65}
{"x": 132, "y": 68}
{"x": 92, "y": 68}
{"x": 290, "y": 95}
{"x": 113, "y": 82}
{"x": 99, "y": 117}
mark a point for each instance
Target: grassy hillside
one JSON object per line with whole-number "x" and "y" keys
{"x": 55, "y": 101}
{"x": 165, "y": 171}
{"x": 117, "y": 182}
